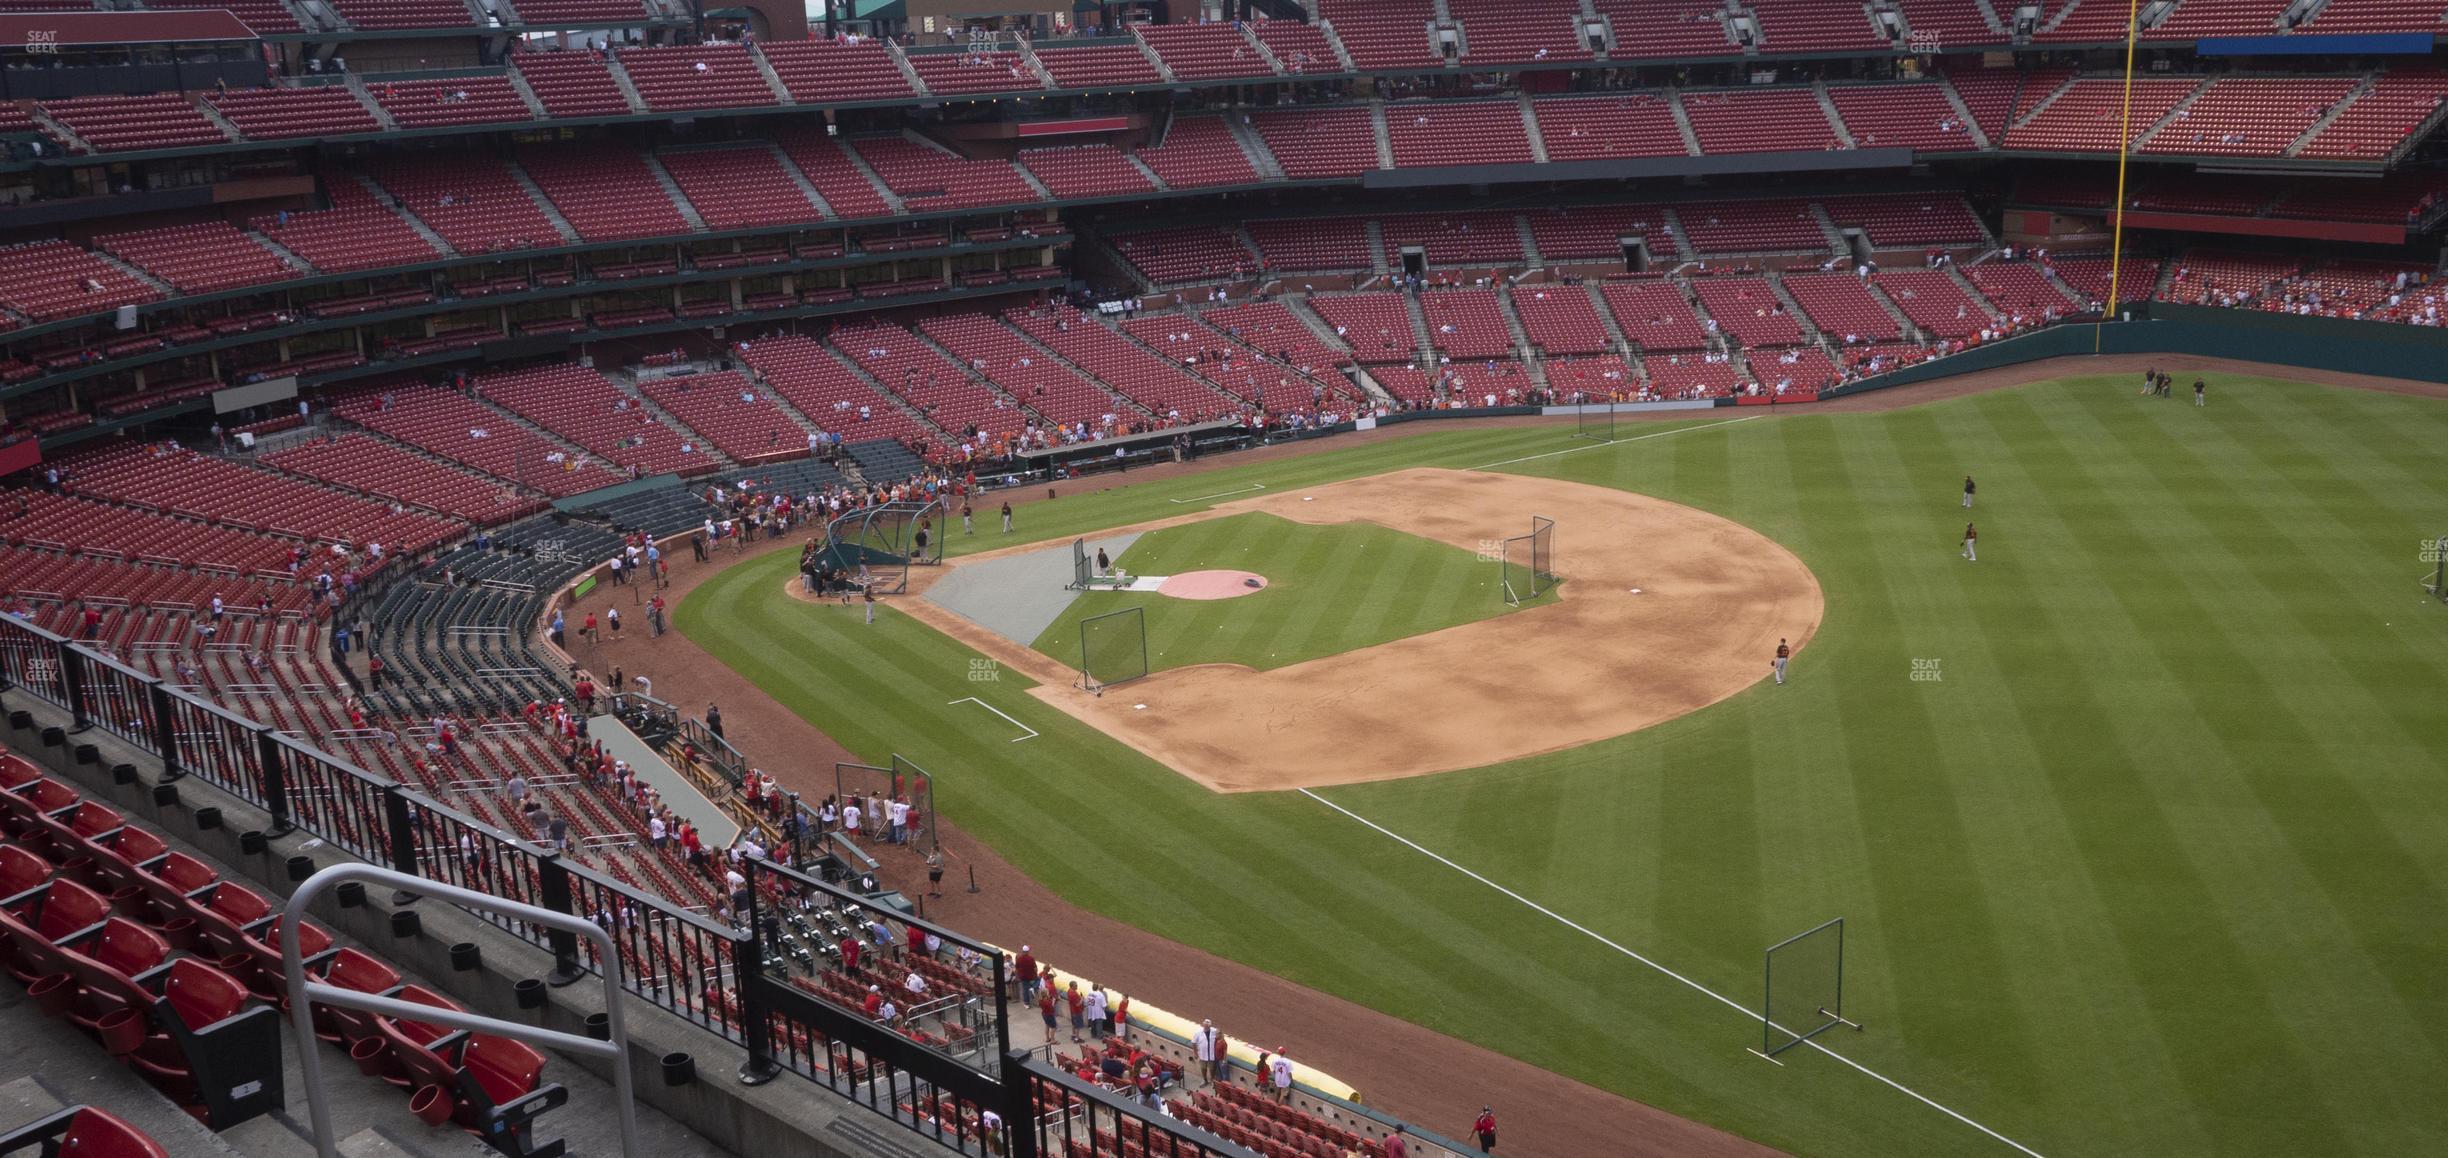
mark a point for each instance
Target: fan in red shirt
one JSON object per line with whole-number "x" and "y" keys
{"x": 873, "y": 1003}
{"x": 850, "y": 949}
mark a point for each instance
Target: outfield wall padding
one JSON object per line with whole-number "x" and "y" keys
{"x": 2383, "y": 349}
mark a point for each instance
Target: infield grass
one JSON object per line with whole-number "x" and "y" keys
{"x": 1330, "y": 589}
{"x": 2156, "y": 866}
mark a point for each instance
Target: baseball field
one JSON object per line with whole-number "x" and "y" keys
{"x": 2137, "y": 823}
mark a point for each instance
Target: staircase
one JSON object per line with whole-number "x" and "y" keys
{"x": 1979, "y": 299}
{"x": 280, "y": 251}
{"x": 884, "y": 392}
{"x": 907, "y": 73}
{"x": 1683, "y": 125}
{"x": 1963, "y": 112}
{"x": 61, "y": 132}
{"x": 560, "y": 224}
{"x": 1827, "y": 228}
{"x": 1419, "y": 331}
{"x": 1385, "y": 141}
{"x": 1683, "y": 246}
{"x": 1521, "y": 336}
{"x": 671, "y": 188}
{"x": 206, "y": 111}
{"x": 1144, "y": 171}
{"x": 807, "y": 188}
{"x": 628, "y": 88}
{"x": 1377, "y": 247}
{"x": 1253, "y": 147}
{"x": 626, "y": 383}
{"x": 518, "y": 84}
{"x": 1298, "y": 307}
{"x": 381, "y": 115}
{"x": 1606, "y": 319}
{"x": 1036, "y": 67}
{"x": 132, "y": 271}
{"x": 1039, "y": 187}
{"x": 1835, "y": 119}
{"x": 1154, "y": 61}
{"x": 773, "y": 80}
{"x": 2063, "y": 87}
{"x": 2173, "y": 114}
{"x": 1989, "y": 13}
{"x": 1538, "y": 147}
{"x": 1259, "y": 46}
{"x": 422, "y": 230}
{"x": 874, "y": 178}
{"x": 1334, "y": 41}
{"x": 1793, "y": 309}
{"x": 1530, "y": 253}
{"x": 1904, "y": 323}
{"x": 2329, "y": 118}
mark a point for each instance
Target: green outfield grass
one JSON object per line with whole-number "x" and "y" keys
{"x": 1330, "y": 589}
{"x": 2155, "y": 866}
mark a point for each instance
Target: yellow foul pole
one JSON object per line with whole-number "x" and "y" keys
{"x": 2116, "y": 244}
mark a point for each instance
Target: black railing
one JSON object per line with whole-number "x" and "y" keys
{"x": 943, "y": 1069}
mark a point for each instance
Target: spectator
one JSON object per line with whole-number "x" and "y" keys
{"x": 1484, "y": 1130}
{"x": 713, "y": 721}
{"x": 1077, "y": 1003}
{"x": 1096, "y": 1011}
{"x": 1025, "y": 968}
{"x": 1281, "y": 1076}
{"x": 1208, "y": 1046}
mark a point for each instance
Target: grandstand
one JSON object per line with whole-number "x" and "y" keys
{"x": 382, "y": 327}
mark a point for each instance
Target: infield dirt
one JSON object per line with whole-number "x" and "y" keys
{"x": 1664, "y": 609}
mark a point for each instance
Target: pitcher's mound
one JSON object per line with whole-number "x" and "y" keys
{"x": 1212, "y": 584}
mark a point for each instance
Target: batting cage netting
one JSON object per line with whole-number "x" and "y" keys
{"x": 1529, "y": 562}
{"x": 1113, "y": 649}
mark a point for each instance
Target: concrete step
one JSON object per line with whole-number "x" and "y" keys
{"x": 628, "y": 88}
{"x": 807, "y": 188}
{"x": 1827, "y": 105}
{"x": 2172, "y": 115}
{"x": 1682, "y": 120}
{"x": 874, "y": 178}
{"x": 1538, "y": 148}
{"x": 1385, "y": 142}
{"x": 423, "y": 230}
{"x": 519, "y": 85}
{"x": 1254, "y": 147}
{"x": 1980, "y": 136}
{"x": 773, "y": 80}
{"x": 2330, "y": 117}
{"x": 535, "y": 192}
{"x": 671, "y": 188}
{"x": 908, "y": 73}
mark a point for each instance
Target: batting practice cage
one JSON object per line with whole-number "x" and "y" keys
{"x": 1081, "y": 572}
{"x": 1594, "y": 420}
{"x": 911, "y": 784}
{"x": 1804, "y": 995}
{"x": 884, "y": 541}
{"x": 1113, "y": 649}
{"x": 1529, "y": 562}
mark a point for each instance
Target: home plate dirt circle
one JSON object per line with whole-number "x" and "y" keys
{"x": 1212, "y": 584}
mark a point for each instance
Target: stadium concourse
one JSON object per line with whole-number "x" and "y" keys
{"x": 380, "y": 376}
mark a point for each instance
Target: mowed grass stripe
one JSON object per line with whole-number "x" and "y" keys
{"x": 2197, "y": 963}
{"x": 2376, "y": 890}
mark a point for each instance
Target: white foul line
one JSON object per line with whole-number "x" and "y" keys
{"x": 1032, "y": 732}
{"x": 1222, "y": 494}
{"x": 1618, "y": 442}
{"x": 1728, "y": 1001}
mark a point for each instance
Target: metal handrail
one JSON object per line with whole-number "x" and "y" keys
{"x": 304, "y": 994}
